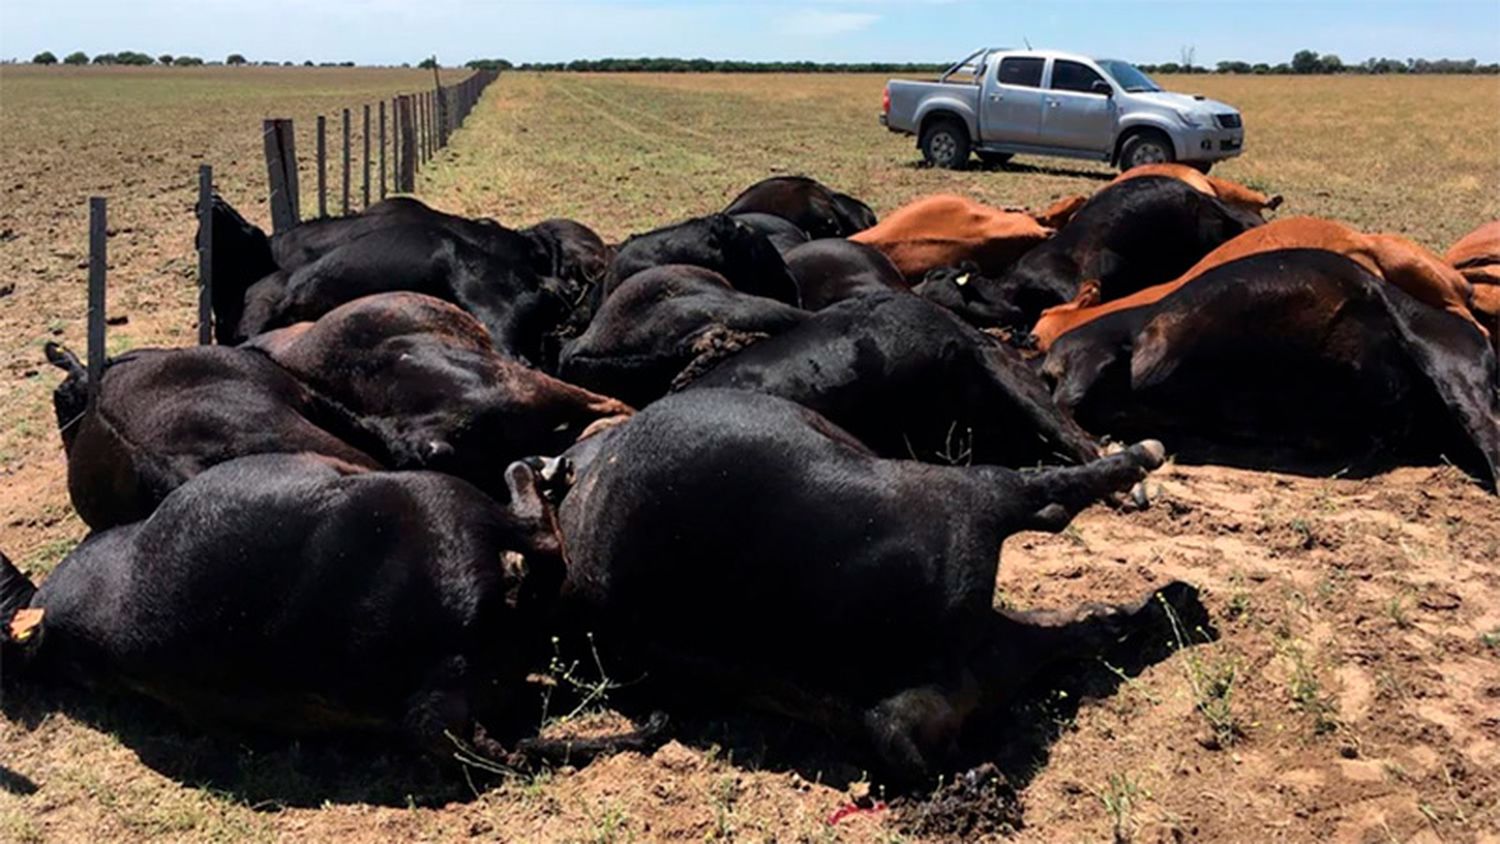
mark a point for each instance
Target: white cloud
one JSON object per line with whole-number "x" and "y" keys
{"x": 817, "y": 23}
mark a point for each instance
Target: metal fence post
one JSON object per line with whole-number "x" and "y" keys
{"x": 205, "y": 254}
{"x": 365, "y": 162}
{"x": 98, "y": 261}
{"x": 322, "y": 167}
{"x": 346, "y": 163}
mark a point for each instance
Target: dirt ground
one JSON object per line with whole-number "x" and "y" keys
{"x": 1352, "y": 694}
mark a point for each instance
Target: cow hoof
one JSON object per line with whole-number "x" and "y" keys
{"x": 1139, "y": 496}
{"x": 1149, "y": 453}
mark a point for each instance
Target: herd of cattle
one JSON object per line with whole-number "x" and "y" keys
{"x": 765, "y": 457}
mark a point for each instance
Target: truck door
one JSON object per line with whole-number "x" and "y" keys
{"x": 1012, "y": 110}
{"x": 1078, "y": 115}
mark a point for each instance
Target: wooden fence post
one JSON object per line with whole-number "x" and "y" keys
{"x": 281, "y": 172}
{"x": 406, "y": 160}
{"x": 205, "y": 254}
{"x": 442, "y": 118}
{"x": 365, "y": 161}
{"x": 98, "y": 261}
{"x": 346, "y": 163}
{"x": 382, "y": 149}
{"x": 322, "y": 167}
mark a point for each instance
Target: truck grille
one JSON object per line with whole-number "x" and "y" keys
{"x": 1228, "y": 121}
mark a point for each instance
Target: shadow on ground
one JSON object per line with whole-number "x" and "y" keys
{"x": 1001, "y": 755}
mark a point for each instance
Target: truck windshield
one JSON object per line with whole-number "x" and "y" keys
{"x": 1130, "y": 79}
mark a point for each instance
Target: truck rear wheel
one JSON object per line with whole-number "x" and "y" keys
{"x": 945, "y": 143}
{"x": 1146, "y": 146}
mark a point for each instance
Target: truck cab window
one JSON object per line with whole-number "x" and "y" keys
{"x": 1072, "y": 76}
{"x": 1021, "y": 71}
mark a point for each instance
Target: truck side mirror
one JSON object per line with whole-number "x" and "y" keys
{"x": 1101, "y": 87}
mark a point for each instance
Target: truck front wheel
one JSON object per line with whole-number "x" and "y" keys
{"x": 945, "y": 143}
{"x": 1146, "y": 146}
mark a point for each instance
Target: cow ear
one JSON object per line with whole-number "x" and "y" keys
{"x": 525, "y": 490}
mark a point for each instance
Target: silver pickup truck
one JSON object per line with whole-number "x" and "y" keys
{"x": 998, "y": 103}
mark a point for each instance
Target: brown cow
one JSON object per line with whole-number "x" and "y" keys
{"x": 1232, "y": 193}
{"x": 1399, "y": 261}
{"x": 1477, "y": 254}
{"x": 425, "y": 378}
{"x": 946, "y": 230}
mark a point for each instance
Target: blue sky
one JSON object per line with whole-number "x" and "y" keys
{"x": 393, "y": 31}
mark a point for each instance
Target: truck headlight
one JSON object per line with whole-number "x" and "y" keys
{"x": 1188, "y": 118}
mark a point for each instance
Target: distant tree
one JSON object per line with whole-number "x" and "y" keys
{"x": 44, "y": 57}
{"x": 104, "y": 58}
{"x": 1282, "y": 68}
{"x": 1260, "y": 68}
{"x": 1169, "y": 67}
{"x": 1234, "y": 67}
{"x": 131, "y": 57}
{"x": 1306, "y": 61}
{"x": 1330, "y": 63}
{"x": 308, "y": 63}
{"x": 346, "y": 64}
{"x": 235, "y": 59}
{"x": 164, "y": 58}
{"x": 428, "y": 63}
{"x": 187, "y": 61}
{"x": 488, "y": 64}
{"x": 1187, "y": 53}
{"x": 76, "y": 58}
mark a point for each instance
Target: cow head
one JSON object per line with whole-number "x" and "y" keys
{"x": 241, "y": 257}
{"x": 853, "y": 215}
{"x": 71, "y": 398}
{"x": 535, "y": 561}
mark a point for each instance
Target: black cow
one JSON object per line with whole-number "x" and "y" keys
{"x": 735, "y": 545}
{"x": 424, "y": 377}
{"x": 783, "y": 233}
{"x": 165, "y": 415}
{"x": 962, "y": 290}
{"x": 832, "y": 270}
{"x": 812, "y": 206}
{"x": 241, "y": 257}
{"x": 739, "y": 253}
{"x": 910, "y": 380}
{"x": 662, "y": 323}
{"x": 310, "y": 240}
{"x": 1296, "y": 359}
{"x": 297, "y": 594}
{"x": 1130, "y": 235}
{"x": 502, "y": 284}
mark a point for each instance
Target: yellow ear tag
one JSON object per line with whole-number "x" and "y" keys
{"x": 961, "y": 280}
{"x": 25, "y": 624}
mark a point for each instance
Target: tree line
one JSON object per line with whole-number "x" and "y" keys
{"x": 130, "y": 57}
{"x": 1304, "y": 62}
{"x": 1307, "y": 62}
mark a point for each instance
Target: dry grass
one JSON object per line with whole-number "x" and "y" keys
{"x": 1356, "y": 725}
{"x": 1418, "y": 155}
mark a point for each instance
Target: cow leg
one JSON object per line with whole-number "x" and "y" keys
{"x": 915, "y": 732}
{"x": 1022, "y": 644}
{"x": 1052, "y": 497}
{"x": 1010, "y": 391}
